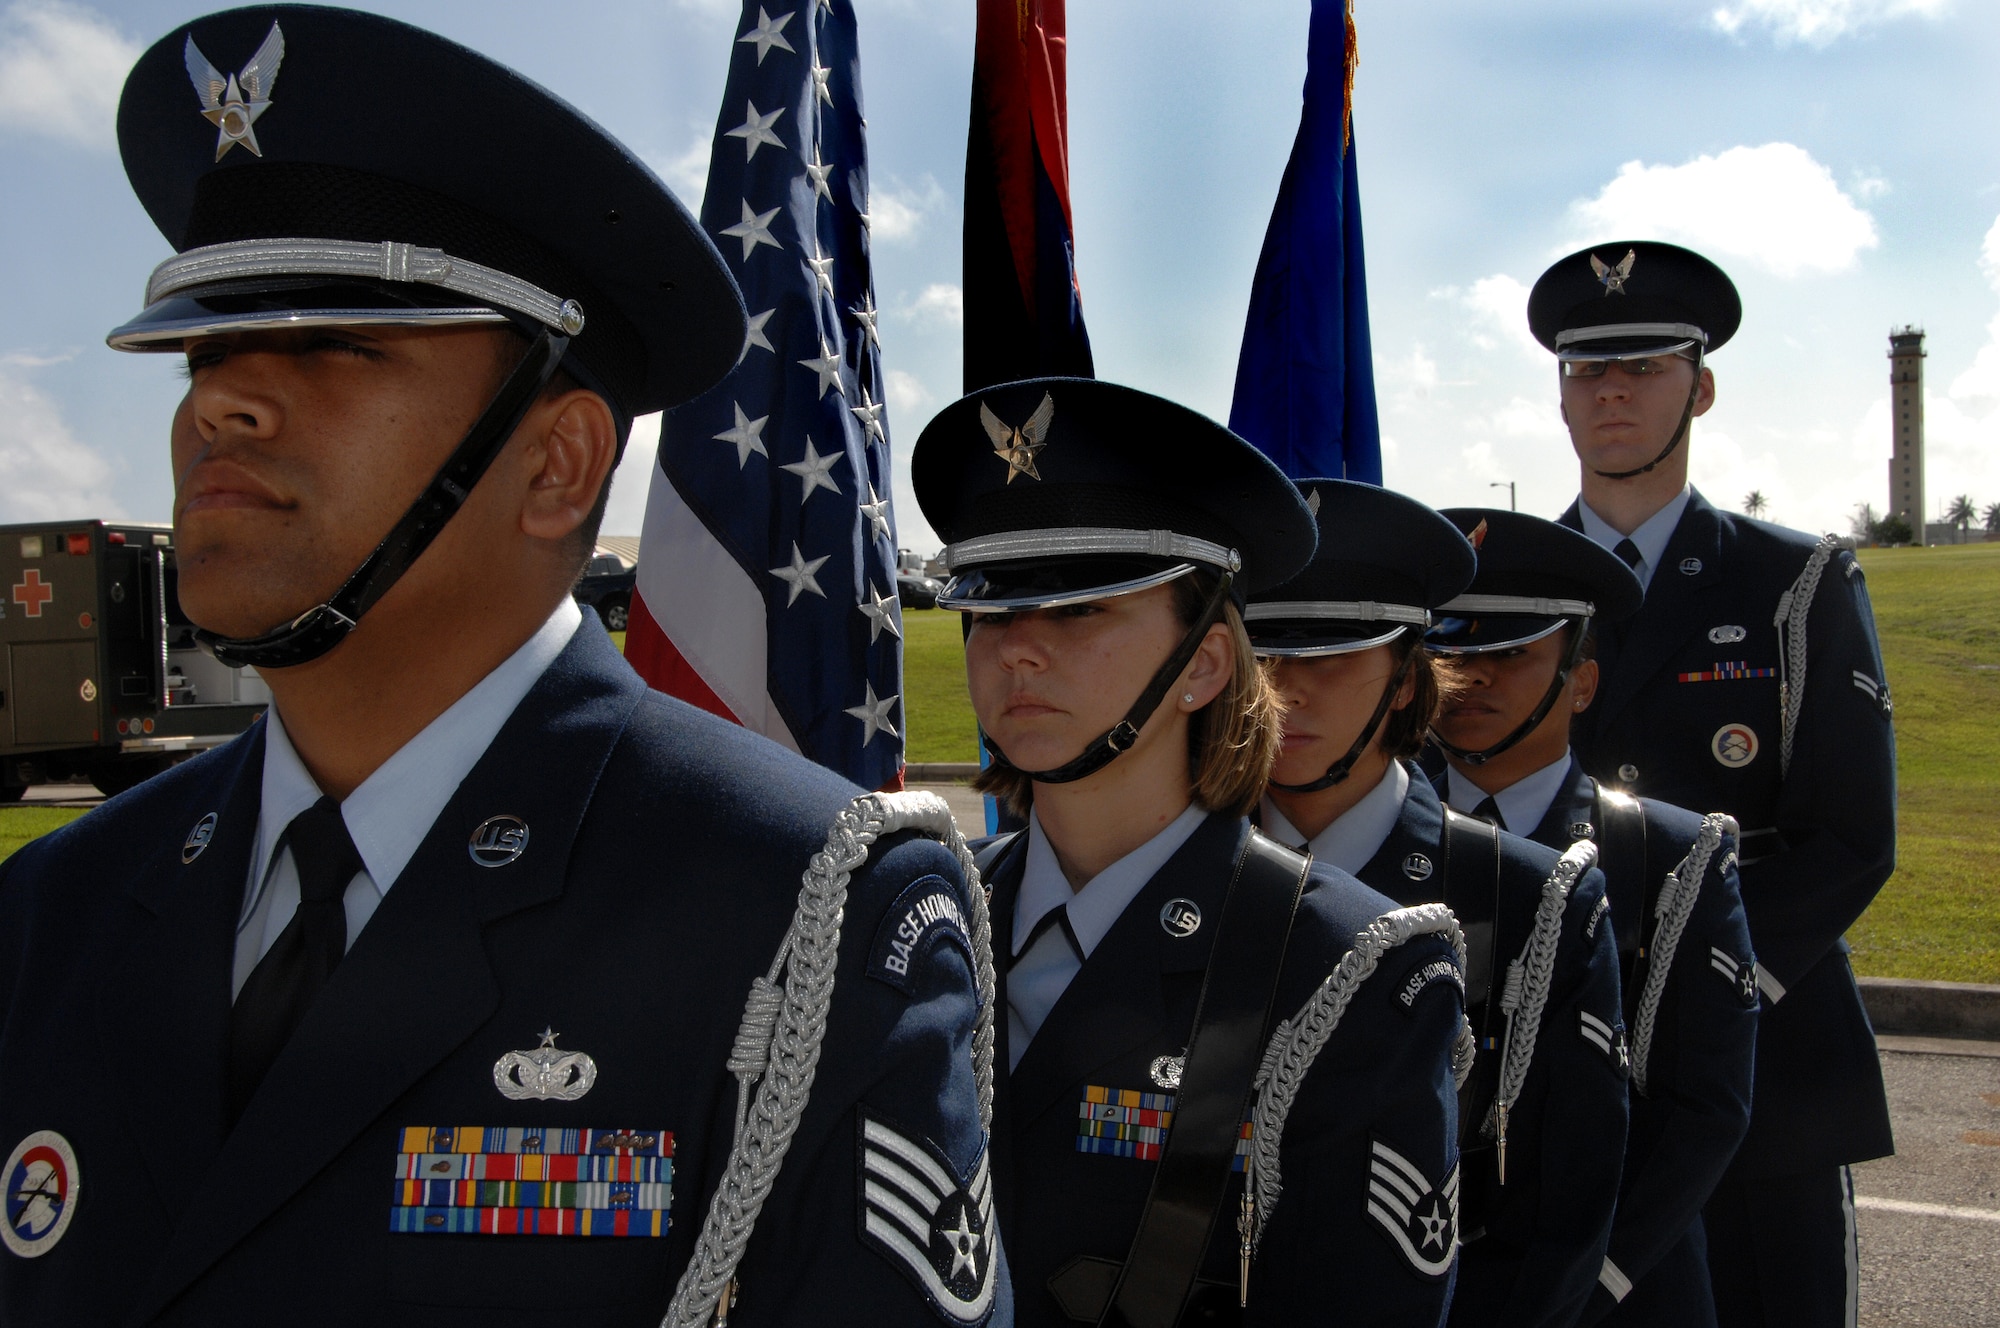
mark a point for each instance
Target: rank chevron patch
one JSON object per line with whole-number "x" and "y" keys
{"x": 1607, "y": 1038}
{"x": 917, "y": 1212}
{"x": 1421, "y": 1218}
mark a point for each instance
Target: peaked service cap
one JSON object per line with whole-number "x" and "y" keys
{"x": 1629, "y": 297}
{"x": 1057, "y": 490}
{"x": 315, "y": 165}
{"x": 1534, "y": 576}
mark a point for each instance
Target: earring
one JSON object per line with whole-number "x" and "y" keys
{"x": 1187, "y": 698}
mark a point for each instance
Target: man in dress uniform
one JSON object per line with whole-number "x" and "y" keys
{"x": 419, "y": 1002}
{"x": 1749, "y": 682}
{"x": 1520, "y": 640}
{"x": 1203, "y": 1124}
{"x": 1542, "y": 1118}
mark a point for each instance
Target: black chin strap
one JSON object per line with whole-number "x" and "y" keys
{"x": 1344, "y": 767}
{"x": 1687, "y": 416}
{"x": 1529, "y": 724}
{"x": 1125, "y": 732}
{"x": 324, "y": 626}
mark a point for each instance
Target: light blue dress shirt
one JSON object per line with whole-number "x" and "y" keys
{"x": 1651, "y": 537}
{"x": 392, "y": 811}
{"x": 1522, "y": 803}
{"x": 1358, "y": 834}
{"x": 1042, "y": 973}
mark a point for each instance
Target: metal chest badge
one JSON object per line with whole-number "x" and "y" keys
{"x": 498, "y": 841}
{"x": 544, "y": 1073}
{"x": 43, "y": 1183}
{"x": 224, "y": 102}
{"x": 198, "y": 839}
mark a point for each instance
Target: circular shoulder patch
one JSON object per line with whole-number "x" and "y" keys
{"x": 42, "y": 1187}
{"x": 1734, "y": 745}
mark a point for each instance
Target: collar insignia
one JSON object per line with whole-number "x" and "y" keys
{"x": 544, "y": 1073}
{"x": 1017, "y": 447}
{"x": 1613, "y": 278}
{"x": 233, "y": 104}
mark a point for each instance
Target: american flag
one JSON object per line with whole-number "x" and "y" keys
{"x": 767, "y": 572}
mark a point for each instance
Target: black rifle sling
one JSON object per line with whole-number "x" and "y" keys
{"x": 1232, "y": 1016}
{"x": 1471, "y": 850}
{"x": 1621, "y": 849}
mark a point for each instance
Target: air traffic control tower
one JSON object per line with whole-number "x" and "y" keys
{"x": 1906, "y": 422}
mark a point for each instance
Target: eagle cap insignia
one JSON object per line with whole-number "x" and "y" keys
{"x": 234, "y": 104}
{"x": 1476, "y": 537}
{"x": 1613, "y": 278}
{"x": 1017, "y": 447}
{"x": 544, "y": 1073}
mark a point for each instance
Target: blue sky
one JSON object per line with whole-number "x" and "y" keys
{"x": 1836, "y": 156}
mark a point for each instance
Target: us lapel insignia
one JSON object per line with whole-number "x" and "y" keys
{"x": 1417, "y": 867}
{"x": 498, "y": 841}
{"x": 224, "y": 102}
{"x": 1180, "y": 918}
{"x": 544, "y": 1073}
{"x": 198, "y": 838}
{"x": 1582, "y": 830}
{"x": 1690, "y": 567}
{"x": 42, "y": 1187}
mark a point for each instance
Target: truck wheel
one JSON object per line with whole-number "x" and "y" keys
{"x": 616, "y": 615}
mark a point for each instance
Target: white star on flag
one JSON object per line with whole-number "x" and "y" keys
{"x": 877, "y": 511}
{"x": 819, "y": 171}
{"x": 827, "y": 366}
{"x": 881, "y": 613}
{"x": 870, "y": 414}
{"x": 799, "y": 576}
{"x": 823, "y": 269}
{"x": 756, "y": 130}
{"x": 865, "y": 314}
{"x": 754, "y": 229}
{"x": 874, "y": 715}
{"x": 754, "y": 334}
{"x": 766, "y": 34}
{"x": 820, "y": 89}
{"x": 813, "y": 470}
{"x": 748, "y": 435}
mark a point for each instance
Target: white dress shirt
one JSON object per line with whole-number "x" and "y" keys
{"x": 1041, "y": 974}
{"x": 1360, "y": 831}
{"x": 392, "y": 811}
{"x": 1650, "y": 538}
{"x": 1522, "y": 803}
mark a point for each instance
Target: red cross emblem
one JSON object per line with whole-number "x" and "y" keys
{"x": 32, "y": 593}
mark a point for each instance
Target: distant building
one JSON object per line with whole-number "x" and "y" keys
{"x": 1906, "y": 424}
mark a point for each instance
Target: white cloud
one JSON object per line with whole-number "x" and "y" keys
{"x": 907, "y": 395}
{"x": 941, "y": 304}
{"x": 895, "y": 215}
{"x": 61, "y": 68}
{"x": 1981, "y": 379}
{"x": 1500, "y": 302}
{"x": 45, "y": 470}
{"x": 1773, "y": 205}
{"x": 687, "y": 173}
{"x": 1818, "y": 22}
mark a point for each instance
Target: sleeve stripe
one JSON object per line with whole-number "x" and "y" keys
{"x": 1614, "y": 1280}
{"x": 1773, "y": 990}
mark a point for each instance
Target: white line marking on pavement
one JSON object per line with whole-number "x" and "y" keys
{"x": 1867, "y": 1201}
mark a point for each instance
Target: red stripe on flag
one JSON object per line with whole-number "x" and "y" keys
{"x": 664, "y": 668}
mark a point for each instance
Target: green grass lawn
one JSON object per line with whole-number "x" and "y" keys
{"x": 1938, "y": 917}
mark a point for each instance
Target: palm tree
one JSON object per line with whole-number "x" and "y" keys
{"x": 1754, "y": 503}
{"x": 1993, "y": 518}
{"x": 1961, "y": 513}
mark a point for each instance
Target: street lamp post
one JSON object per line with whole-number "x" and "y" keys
{"x": 1508, "y": 485}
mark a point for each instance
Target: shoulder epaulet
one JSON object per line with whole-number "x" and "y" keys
{"x": 1298, "y": 1041}
{"x": 784, "y": 1023}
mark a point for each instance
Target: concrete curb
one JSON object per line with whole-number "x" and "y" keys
{"x": 1932, "y": 1009}
{"x": 940, "y": 772}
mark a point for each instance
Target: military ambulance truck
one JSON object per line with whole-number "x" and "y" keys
{"x": 100, "y": 677}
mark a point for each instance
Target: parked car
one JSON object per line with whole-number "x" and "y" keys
{"x": 606, "y": 586}
{"x": 917, "y": 591}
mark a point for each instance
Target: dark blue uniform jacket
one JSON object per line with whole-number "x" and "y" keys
{"x": 1696, "y": 1105}
{"x": 1533, "y": 1255}
{"x": 662, "y": 867}
{"x": 1679, "y": 693}
{"x": 1384, "y": 1077}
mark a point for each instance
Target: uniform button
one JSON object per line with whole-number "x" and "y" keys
{"x": 1628, "y": 772}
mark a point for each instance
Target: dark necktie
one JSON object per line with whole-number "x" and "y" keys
{"x": 1489, "y": 812}
{"x": 286, "y": 980}
{"x": 1628, "y": 551}
{"x": 1055, "y": 917}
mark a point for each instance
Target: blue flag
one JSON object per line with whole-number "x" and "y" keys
{"x": 1305, "y": 381}
{"x": 767, "y": 577}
